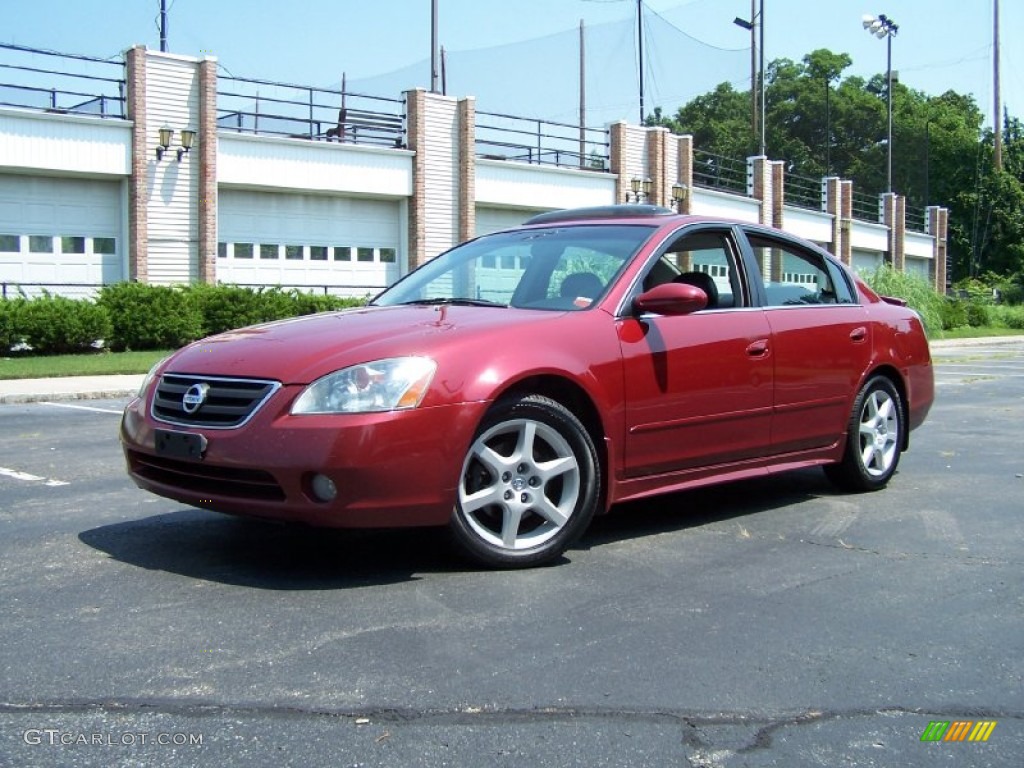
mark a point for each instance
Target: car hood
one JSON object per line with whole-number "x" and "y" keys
{"x": 301, "y": 350}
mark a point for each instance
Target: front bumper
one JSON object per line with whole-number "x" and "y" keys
{"x": 390, "y": 469}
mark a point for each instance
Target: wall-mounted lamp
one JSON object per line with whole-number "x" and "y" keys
{"x": 641, "y": 189}
{"x": 680, "y": 192}
{"x": 166, "y": 134}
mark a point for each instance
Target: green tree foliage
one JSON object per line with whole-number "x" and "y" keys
{"x": 823, "y": 124}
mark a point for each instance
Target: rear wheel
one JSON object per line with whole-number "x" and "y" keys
{"x": 874, "y": 439}
{"x": 529, "y": 485}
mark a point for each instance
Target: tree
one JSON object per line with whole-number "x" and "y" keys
{"x": 822, "y": 124}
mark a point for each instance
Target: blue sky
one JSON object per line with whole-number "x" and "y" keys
{"x": 519, "y": 56}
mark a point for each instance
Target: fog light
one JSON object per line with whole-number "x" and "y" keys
{"x": 324, "y": 488}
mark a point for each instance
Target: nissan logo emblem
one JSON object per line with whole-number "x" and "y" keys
{"x": 194, "y": 397}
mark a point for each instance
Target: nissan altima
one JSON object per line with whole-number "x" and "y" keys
{"x": 527, "y": 380}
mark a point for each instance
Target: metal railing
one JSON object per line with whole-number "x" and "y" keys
{"x": 20, "y": 290}
{"x": 865, "y": 207}
{"x": 916, "y": 220}
{"x": 32, "y": 78}
{"x": 712, "y": 171}
{"x": 803, "y": 192}
{"x": 270, "y": 108}
{"x": 354, "y": 291}
{"x": 541, "y": 142}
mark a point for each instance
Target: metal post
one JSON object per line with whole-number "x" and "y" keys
{"x": 433, "y": 46}
{"x": 761, "y": 53}
{"x": 640, "y": 45}
{"x": 888, "y": 39}
{"x": 163, "y": 26}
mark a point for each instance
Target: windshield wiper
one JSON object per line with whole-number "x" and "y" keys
{"x": 461, "y": 302}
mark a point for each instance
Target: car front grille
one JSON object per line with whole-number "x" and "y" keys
{"x": 196, "y": 477}
{"x": 226, "y": 403}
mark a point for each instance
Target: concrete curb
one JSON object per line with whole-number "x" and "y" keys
{"x": 70, "y": 388}
{"x": 990, "y": 341}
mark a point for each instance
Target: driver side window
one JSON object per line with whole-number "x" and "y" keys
{"x": 705, "y": 260}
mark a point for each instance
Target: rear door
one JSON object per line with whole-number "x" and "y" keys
{"x": 699, "y": 386}
{"x": 820, "y": 338}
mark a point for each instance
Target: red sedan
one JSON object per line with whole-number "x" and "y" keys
{"x": 524, "y": 381}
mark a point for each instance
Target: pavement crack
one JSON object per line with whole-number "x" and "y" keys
{"x": 901, "y": 555}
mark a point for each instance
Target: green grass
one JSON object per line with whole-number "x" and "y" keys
{"x": 979, "y": 333}
{"x": 98, "y": 364}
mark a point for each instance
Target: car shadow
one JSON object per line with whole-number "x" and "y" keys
{"x": 265, "y": 555}
{"x": 713, "y": 504}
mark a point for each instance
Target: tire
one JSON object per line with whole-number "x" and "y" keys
{"x": 529, "y": 485}
{"x": 874, "y": 439}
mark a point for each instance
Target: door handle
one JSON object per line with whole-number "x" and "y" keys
{"x": 858, "y": 334}
{"x": 758, "y": 348}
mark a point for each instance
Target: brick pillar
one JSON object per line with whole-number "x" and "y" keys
{"x": 778, "y": 172}
{"x": 759, "y": 185}
{"x": 887, "y": 215}
{"x": 206, "y": 142}
{"x": 467, "y": 168}
{"x": 656, "y": 170}
{"x": 846, "y": 255}
{"x": 617, "y": 160}
{"x": 138, "y": 233}
{"x": 685, "y": 171}
{"x": 900, "y": 240}
{"x": 938, "y": 223}
{"x": 415, "y": 110}
{"x": 833, "y": 190}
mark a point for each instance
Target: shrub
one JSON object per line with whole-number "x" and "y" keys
{"x": 54, "y": 325}
{"x": 977, "y": 314}
{"x": 225, "y": 307}
{"x": 916, "y": 291}
{"x": 150, "y": 316}
{"x": 310, "y": 303}
{"x": 953, "y": 313}
{"x": 10, "y": 325}
{"x": 1008, "y": 317}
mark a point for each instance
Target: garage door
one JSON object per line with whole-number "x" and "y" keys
{"x": 60, "y": 233}
{"x": 346, "y": 246}
{"x": 494, "y": 219}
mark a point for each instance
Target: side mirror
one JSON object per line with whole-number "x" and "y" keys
{"x": 671, "y": 299}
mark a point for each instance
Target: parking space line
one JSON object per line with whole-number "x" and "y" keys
{"x": 82, "y": 407}
{"x": 17, "y": 475}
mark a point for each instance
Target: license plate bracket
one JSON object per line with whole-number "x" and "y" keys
{"x": 180, "y": 445}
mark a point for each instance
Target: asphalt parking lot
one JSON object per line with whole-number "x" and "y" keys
{"x": 773, "y": 622}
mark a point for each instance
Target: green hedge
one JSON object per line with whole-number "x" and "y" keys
{"x": 53, "y": 325}
{"x": 138, "y": 316}
{"x": 150, "y": 316}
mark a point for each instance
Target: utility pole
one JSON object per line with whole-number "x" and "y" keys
{"x": 640, "y": 45}
{"x": 998, "y": 112}
{"x": 583, "y": 97}
{"x": 163, "y": 26}
{"x": 433, "y": 46}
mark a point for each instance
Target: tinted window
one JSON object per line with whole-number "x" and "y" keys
{"x": 795, "y": 276}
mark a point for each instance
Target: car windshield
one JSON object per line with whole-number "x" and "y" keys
{"x": 556, "y": 268}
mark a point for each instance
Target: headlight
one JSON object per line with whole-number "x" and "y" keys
{"x": 150, "y": 376}
{"x": 384, "y": 385}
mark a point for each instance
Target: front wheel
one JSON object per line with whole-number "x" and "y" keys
{"x": 529, "y": 485}
{"x": 874, "y": 439}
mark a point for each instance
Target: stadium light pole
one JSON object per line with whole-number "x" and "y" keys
{"x": 882, "y": 26}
